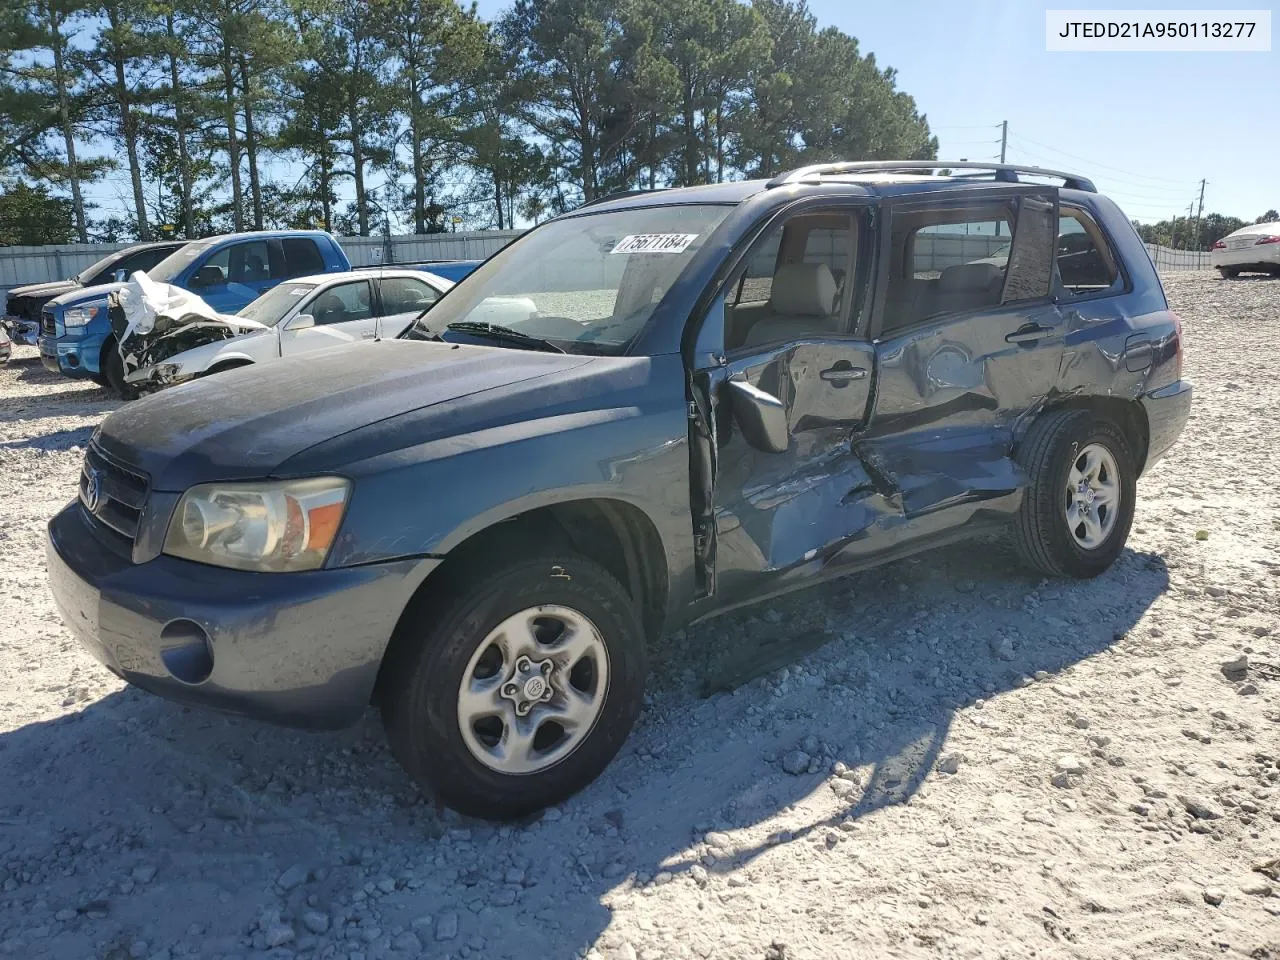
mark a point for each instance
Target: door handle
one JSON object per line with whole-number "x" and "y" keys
{"x": 842, "y": 375}
{"x": 1029, "y": 333}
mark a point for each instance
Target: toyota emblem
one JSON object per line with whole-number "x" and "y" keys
{"x": 92, "y": 490}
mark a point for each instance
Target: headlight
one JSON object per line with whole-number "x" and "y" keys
{"x": 80, "y": 316}
{"x": 278, "y": 526}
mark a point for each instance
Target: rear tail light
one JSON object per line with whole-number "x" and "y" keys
{"x": 1266, "y": 240}
{"x": 1219, "y": 244}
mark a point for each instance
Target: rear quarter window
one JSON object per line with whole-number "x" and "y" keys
{"x": 1085, "y": 262}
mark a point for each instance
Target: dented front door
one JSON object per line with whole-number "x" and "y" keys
{"x": 778, "y": 512}
{"x": 780, "y": 506}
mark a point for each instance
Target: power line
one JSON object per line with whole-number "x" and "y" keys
{"x": 1093, "y": 163}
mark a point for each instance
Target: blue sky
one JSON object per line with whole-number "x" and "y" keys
{"x": 1145, "y": 126}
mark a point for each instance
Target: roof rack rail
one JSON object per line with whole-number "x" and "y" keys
{"x": 621, "y": 195}
{"x": 1002, "y": 171}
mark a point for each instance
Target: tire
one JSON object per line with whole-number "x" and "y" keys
{"x": 1044, "y": 536}
{"x": 448, "y": 638}
{"x": 1228, "y": 273}
{"x": 113, "y": 373}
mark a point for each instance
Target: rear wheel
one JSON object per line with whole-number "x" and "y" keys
{"x": 513, "y": 689}
{"x": 1079, "y": 501}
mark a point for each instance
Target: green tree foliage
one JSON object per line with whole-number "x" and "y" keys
{"x": 1186, "y": 234}
{"x": 252, "y": 113}
{"x": 30, "y": 216}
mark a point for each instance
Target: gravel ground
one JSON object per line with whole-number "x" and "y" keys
{"x": 943, "y": 757}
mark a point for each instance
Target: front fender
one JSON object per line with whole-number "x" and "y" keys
{"x": 629, "y": 445}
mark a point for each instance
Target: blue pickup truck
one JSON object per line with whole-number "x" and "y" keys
{"x": 226, "y": 271}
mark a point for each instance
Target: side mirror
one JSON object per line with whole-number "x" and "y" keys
{"x": 120, "y": 276}
{"x": 206, "y": 277}
{"x": 760, "y": 416}
{"x": 302, "y": 321}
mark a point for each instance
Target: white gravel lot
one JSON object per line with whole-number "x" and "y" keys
{"x": 968, "y": 762}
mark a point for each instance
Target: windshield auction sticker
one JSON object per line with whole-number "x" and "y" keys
{"x": 654, "y": 243}
{"x": 1162, "y": 31}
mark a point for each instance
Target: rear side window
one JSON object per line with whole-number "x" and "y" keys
{"x": 973, "y": 258}
{"x": 941, "y": 245}
{"x": 1085, "y": 264}
{"x": 301, "y": 257}
{"x": 405, "y": 295}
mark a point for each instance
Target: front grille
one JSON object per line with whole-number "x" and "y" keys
{"x": 112, "y": 494}
{"x": 47, "y": 324}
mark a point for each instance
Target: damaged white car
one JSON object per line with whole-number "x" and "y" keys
{"x": 168, "y": 335}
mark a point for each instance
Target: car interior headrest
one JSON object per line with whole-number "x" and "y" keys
{"x": 804, "y": 289}
{"x": 969, "y": 277}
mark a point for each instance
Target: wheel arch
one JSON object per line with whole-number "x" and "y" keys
{"x": 614, "y": 533}
{"x": 1128, "y": 415}
{"x": 228, "y": 363}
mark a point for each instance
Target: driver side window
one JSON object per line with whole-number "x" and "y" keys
{"x": 794, "y": 282}
{"x": 341, "y": 304}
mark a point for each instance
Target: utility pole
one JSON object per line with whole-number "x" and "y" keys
{"x": 1200, "y": 212}
{"x": 1004, "y": 140}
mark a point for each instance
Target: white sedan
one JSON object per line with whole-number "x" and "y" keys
{"x": 308, "y": 313}
{"x": 1251, "y": 249}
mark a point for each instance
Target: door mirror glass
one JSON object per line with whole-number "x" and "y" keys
{"x": 302, "y": 321}
{"x": 760, "y": 416}
{"x": 207, "y": 276}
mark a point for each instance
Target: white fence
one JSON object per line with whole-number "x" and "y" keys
{"x": 22, "y": 265}
{"x": 1168, "y": 259}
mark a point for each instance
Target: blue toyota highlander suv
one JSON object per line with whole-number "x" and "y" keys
{"x": 226, "y": 271}
{"x": 639, "y": 414}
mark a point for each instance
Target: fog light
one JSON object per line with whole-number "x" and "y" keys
{"x": 186, "y": 651}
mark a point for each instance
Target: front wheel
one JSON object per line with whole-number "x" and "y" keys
{"x": 113, "y": 373}
{"x": 515, "y": 688}
{"x": 1078, "y": 504}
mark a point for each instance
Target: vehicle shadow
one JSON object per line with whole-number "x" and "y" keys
{"x": 220, "y": 808}
{"x": 58, "y": 441}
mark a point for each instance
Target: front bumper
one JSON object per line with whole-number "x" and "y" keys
{"x": 1167, "y": 411}
{"x": 76, "y": 358}
{"x": 301, "y": 649}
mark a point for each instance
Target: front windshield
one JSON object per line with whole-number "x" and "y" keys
{"x": 167, "y": 269}
{"x": 588, "y": 283}
{"x": 274, "y": 305}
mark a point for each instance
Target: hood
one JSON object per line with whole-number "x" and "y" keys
{"x": 44, "y": 291}
{"x": 242, "y": 424}
{"x": 86, "y": 294}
